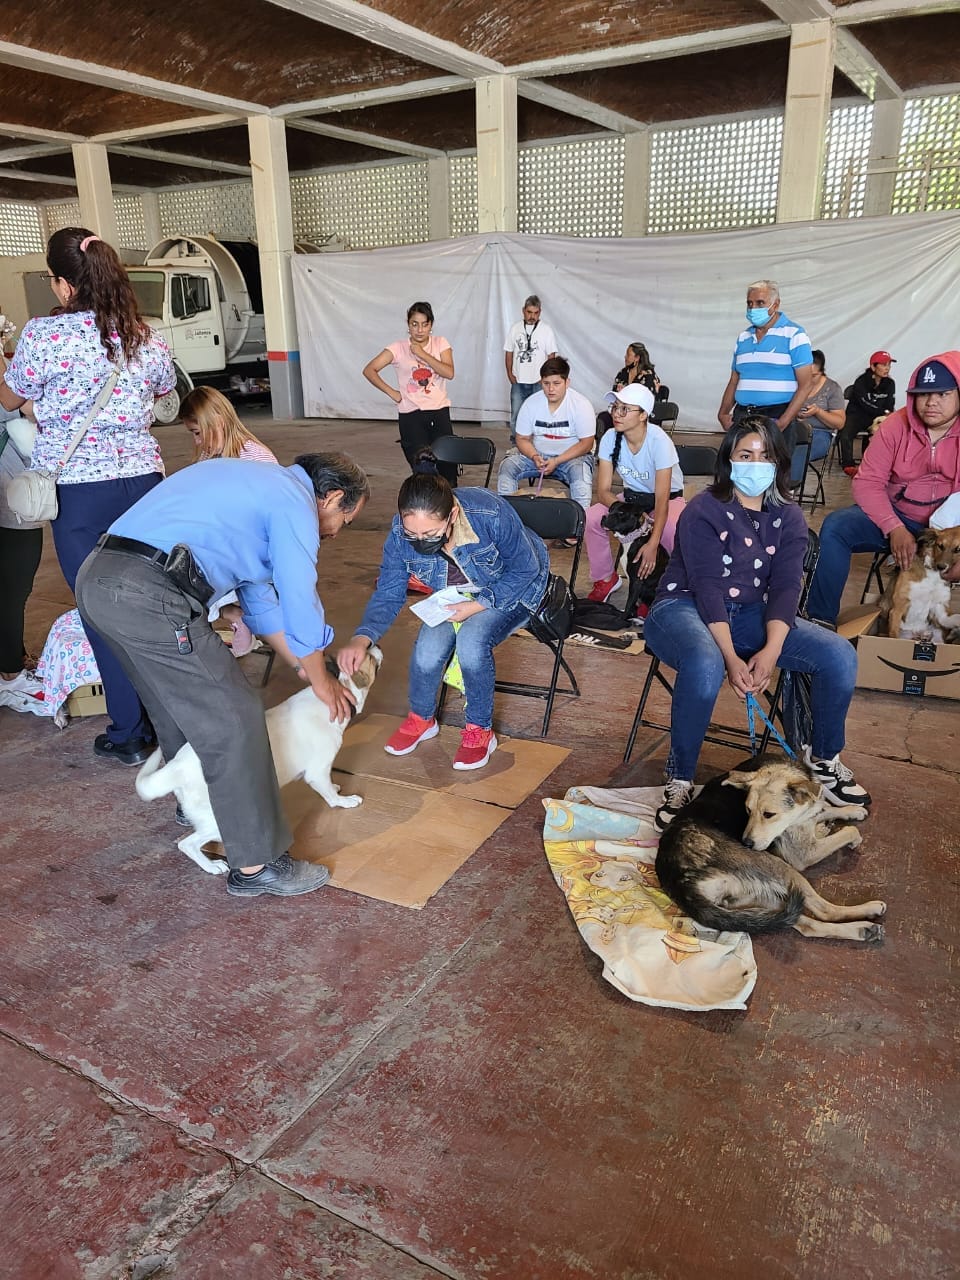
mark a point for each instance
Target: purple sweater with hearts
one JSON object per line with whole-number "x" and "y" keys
{"x": 725, "y": 554}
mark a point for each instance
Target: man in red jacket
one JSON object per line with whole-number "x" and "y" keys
{"x": 911, "y": 467}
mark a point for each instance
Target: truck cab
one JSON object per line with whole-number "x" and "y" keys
{"x": 182, "y": 305}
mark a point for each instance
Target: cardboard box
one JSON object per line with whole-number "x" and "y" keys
{"x": 88, "y": 700}
{"x": 914, "y": 667}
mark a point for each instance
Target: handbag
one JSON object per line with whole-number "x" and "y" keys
{"x": 553, "y": 618}
{"x": 32, "y": 495}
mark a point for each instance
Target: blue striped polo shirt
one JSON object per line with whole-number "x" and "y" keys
{"x": 766, "y": 368}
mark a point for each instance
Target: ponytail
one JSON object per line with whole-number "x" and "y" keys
{"x": 101, "y": 285}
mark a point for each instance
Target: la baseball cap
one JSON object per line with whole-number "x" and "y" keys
{"x": 882, "y": 357}
{"x": 932, "y": 376}
{"x": 636, "y": 394}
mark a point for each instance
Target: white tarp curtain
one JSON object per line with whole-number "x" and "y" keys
{"x": 855, "y": 286}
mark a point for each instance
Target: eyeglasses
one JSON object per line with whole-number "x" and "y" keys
{"x": 619, "y": 410}
{"x": 417, "y": 537}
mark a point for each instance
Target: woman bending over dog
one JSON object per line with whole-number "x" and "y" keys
{"x": 645, "y": 458}
{"x": 475, "y": 542}
{"x": 727, "y": 606}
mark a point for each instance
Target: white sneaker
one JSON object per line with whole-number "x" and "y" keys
{"x": 23, "y": 682}
{"x": 23, "y": 702}
{"x": 676, "y": 795}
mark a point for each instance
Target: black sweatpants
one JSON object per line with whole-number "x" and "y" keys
{"x": 200, "y": 697}
{"x": 20, "y": 551}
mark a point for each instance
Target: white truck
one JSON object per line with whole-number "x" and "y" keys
{"x": 204, "y": 295}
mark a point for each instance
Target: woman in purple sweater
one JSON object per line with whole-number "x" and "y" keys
{"x": 727, "y": 606}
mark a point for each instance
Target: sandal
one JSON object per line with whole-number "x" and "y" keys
{"x": 563, "y": 544}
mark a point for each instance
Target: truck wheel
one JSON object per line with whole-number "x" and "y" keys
{"x": 166, "y": 409}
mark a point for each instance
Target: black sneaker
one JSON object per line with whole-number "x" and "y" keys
{"x": 676, "y": 795}
{"x": 133, "y": 751}
{"x": 286, "y": 877}
{"x": 180, "y": 818}
{"x": 837, "y": 781}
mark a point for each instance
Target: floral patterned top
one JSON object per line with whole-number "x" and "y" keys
{"x": 60, "y": 365}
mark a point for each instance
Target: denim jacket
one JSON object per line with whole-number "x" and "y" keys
{"x": 506, "y": 562}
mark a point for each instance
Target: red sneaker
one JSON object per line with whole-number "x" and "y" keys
{"x": 476, "y": 747}
{"x": 421, "y": 588}
{"x": 411, "y": 733}
{"x": 850, "y": 471}
{"x": 604, "y": 589}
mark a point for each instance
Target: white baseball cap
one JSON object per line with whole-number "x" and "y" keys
{"x": 636, "y": 393}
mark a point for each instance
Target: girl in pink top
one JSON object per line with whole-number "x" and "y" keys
{"x": 424, "y": 366}
{"x": 217, "y": 431}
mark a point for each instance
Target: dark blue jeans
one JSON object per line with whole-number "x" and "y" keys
{"x": 88, "y": 510}
{"x": 844, "y": 532}
{"x": 680, "y": 638}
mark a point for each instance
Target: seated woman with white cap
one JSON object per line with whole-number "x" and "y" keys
{"x": 645, "y": 458}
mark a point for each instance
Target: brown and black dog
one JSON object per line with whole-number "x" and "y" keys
{"x": 713, "y": 858}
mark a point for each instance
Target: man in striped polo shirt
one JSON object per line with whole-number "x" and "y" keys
{"x": 772, "y": 367}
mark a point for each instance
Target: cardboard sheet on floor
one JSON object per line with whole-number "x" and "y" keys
{"x": 514, "y": 771}
{"x": 420, "y": 821}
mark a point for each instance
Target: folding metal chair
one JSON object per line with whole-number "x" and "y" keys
{"x": 549, "y": 518}
{"x": 723, "y": 735}
{"x": 873, "y": 574}
{"x": 697, "y": 459}
{"x": 665, "y": 414}
{"x": 466, "y": 451}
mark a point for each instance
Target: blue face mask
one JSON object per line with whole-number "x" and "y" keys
{"x": 758, "y": 315}
{"x": 753, "y": 478}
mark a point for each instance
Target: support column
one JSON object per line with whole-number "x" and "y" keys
{"x": 274, "y": 214}
{"x": 496, "y": 153}
{"x": 884, "y": 154}
{"x": 806, "y": 113}
{"x": 636, "y": 182}
{"x": 150, "y": 203}
{"x": 438, "y": 197}
{"x": 97, "y": 210}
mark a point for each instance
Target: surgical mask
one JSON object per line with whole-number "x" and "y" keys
{"x": 758, "y": 315}
{"x": 753, "y": 478}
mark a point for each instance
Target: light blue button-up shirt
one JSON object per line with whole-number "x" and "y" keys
{"x": 253, "y": 529}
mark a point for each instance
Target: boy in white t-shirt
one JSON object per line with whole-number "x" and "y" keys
{"x": 556, "y": 428}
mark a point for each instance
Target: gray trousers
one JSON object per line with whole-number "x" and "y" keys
{"x": 200, "y": 697}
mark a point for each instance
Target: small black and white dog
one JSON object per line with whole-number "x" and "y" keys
{"x": 632, "y": 526}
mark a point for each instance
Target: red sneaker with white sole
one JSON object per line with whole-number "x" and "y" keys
{"x": 476, "y": 747}
{"x": 411, "y": 733}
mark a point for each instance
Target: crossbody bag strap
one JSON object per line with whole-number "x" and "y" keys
{"x": 99, "y": 403}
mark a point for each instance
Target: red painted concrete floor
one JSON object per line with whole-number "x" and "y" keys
{"x": 333, "y": 1087}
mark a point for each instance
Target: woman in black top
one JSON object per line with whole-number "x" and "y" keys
{"x": 873, "y": 395}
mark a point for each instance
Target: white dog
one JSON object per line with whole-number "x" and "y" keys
{"x": 304, "y": 741}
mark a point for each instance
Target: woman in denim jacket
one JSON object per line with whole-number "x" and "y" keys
{"x": 475, "y": 542}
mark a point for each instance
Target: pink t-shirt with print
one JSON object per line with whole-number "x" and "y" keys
{"x": 60, "y": 365}
{"x": 418, "y": 384}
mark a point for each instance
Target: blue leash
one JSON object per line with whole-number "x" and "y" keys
{"x": 754, "y": 709}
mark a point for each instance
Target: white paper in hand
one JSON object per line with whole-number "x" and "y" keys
{"x": 434, "y": 609}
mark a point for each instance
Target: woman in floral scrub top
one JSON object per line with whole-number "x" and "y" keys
{"x": 61, "y": 363}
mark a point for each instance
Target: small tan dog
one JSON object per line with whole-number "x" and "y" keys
{"x": 304, "y": 741}
{"x": 714, "y": 864}
{"x": 916, "y": 601}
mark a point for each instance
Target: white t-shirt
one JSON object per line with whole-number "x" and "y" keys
{"x": 638, "y": 471}
{"x": 530, "y": 344}
{"x": 553, "y": 432}
{"x": 947, "y": 514}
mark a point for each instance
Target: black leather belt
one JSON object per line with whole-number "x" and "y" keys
{"x": 179, "y": 564}
{"x": 142, "y": 550}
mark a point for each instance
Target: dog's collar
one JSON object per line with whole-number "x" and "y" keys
{"x": 627, "y": 538}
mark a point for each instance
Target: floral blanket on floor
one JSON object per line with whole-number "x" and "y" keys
{"x": 66, "y": 663}
{"x": 601, "y": 846}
